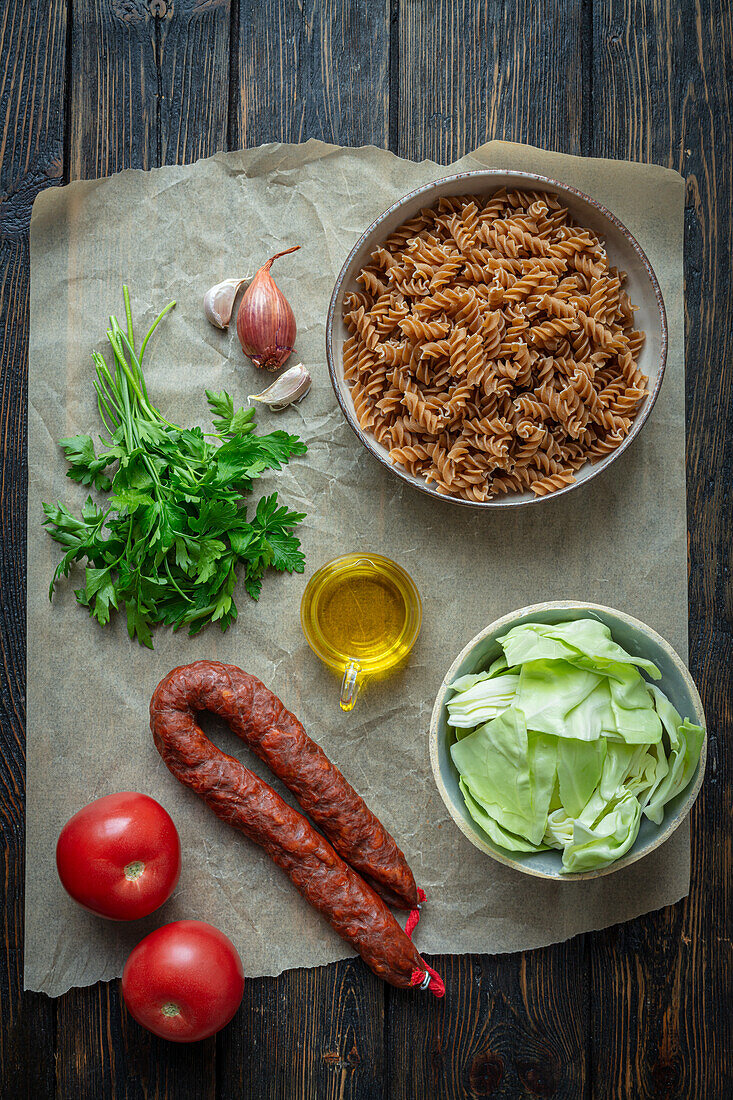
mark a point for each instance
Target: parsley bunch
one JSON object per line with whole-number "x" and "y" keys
{"x": 175, "y": 528}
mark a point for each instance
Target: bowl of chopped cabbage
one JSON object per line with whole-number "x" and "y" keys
{"x": 568, "y": 740}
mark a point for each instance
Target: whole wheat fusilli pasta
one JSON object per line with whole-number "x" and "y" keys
{"x": 492, "y": 347}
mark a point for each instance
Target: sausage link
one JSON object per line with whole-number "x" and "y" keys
{"x": 243, "y": 800}
{"x": 256, "y": 715}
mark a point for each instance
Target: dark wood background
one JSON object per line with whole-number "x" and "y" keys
{"x": 88, "y": 87}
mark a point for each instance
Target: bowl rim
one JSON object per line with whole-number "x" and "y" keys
{"x": 505, "y": 501}
{"x": 666, "y": 829}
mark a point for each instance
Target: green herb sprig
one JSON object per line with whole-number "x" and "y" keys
{"x": 175, "y": 531}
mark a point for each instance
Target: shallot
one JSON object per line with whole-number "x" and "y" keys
{"x": 265, "y": 321}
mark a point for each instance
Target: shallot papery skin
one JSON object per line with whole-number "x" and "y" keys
{"x": 265, "y": 322}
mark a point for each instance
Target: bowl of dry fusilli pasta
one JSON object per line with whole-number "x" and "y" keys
{"x": 495, "y": 338}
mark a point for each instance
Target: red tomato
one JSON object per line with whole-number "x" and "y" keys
{"x": 120, "y": 856}
{"x": 184, "y": 981}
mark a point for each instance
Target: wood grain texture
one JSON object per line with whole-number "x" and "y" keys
{"x": 32, "y": 62}
{"x": 113, "y": 88}
{"x": 509, "y": 1026}
{"x": 473, "y": 70}
{"x": 306, "y": 68}
{"x": 102, "y": 1053}
{"x": 470, "y": 72}
{"x": 192, "y": 55}
{"x": 312, "y": 69}
{"x": 662, "y": 986}
{"x": 148, "y": 84}
{"x": 309, "y": 1033}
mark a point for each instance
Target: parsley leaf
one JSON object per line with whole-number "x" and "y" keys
{"x": 86, "y": 467}
{"x": 228, "y": 421}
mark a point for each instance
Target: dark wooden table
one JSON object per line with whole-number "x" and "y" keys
{"x": 88, "y": 87}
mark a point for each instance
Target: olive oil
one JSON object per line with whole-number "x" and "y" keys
{"x": 361, "y": 614}
{"x": 361, "y": 611}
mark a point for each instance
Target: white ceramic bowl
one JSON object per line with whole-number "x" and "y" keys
{"x": 635, "y": 637}
{"x": 623, "y": 250}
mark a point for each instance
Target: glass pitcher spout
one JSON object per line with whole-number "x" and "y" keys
{"x": 350, "y": 686}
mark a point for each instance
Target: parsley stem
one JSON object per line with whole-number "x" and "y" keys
{"x": 100, "y": 402}
{"x": 111, "y": 403}
{"x": 104, "y": 375}
{"x": 151, "y": 410}
{"x": 112, "y": 337}
{"x": 128, "y": 314}
{"x": 152, "y": 329}
{"x": 173, "y": 582}
{"x": 122, "y": 389}
{"x": 138, "y": 370}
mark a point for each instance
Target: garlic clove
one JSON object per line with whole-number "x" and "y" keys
{"x": 291, "y": 387}
{"x": 219, "y": 301}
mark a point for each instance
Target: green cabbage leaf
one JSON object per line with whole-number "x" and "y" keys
{"x": 563, "y": 743}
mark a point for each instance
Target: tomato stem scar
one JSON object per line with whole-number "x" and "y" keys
{"x": 170, "y": 1008}
{"x": 134, "y": 870}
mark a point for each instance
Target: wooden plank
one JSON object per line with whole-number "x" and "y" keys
{"x": 114, "y": 92}
{"x": 149, "y": 83}
{"x": 657, "y": 1030}
{"x": 473, "y": 70}
{"x": 507, "y": 1028}
{"x": 469, "y": 72}
{"x": 662, "y": 986}
{"x": 32, "y": 68}
{"x": 192, "y": 46}
{"x": 309, "y": 1033}
{"x": 312, "y": 69}
{"x": 307, "y": 68}
{"x": 103, "y": 1054}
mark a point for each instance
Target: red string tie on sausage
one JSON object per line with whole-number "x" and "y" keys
{"x": 427, "y": 978}
{"x": 414, "y": 917}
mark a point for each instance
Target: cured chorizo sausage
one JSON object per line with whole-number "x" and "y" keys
{"x": 256, "y": 715}
{"x": 241, "y": 798}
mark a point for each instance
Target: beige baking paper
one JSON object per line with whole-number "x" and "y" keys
{"x": 619, "y": 540}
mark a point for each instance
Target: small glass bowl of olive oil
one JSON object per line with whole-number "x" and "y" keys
{"x": 361, "y": 616}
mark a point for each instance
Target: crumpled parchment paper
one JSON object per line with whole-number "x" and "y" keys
{"x": 620, "y": 540}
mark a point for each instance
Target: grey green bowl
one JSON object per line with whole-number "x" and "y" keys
{"x": 637, "y": 638}
{"x": 625, "y": 252}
